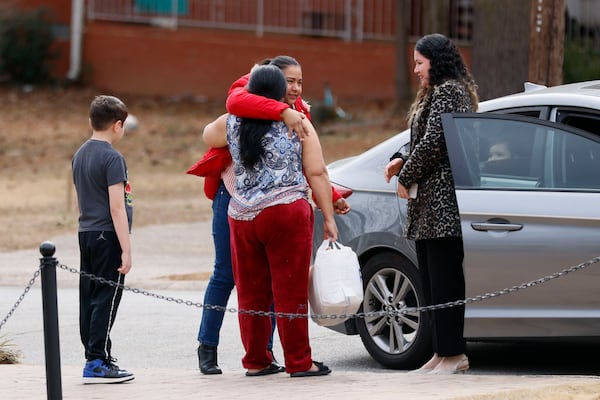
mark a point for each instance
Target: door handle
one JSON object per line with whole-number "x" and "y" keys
{"x": 496, "y": 224}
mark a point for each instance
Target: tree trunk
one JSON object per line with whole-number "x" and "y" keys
{"x": 500, "y": 46}
{"x": 547, "y": 37}
{"x": 403, "y": 89}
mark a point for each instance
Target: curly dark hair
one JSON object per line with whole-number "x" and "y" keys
{"x": 446, "y": 63}
{"x": 445, "y": 59}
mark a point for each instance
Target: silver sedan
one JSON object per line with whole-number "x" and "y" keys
{"x": 527, "y": 175}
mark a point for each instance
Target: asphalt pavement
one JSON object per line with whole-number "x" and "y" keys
{"x": 155, "y": 337}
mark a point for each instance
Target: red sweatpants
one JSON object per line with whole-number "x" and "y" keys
{"x": 271, "y": 257}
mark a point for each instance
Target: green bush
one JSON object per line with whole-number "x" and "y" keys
{"x": 581, "y": 62}
{"x": 25, "y": 41}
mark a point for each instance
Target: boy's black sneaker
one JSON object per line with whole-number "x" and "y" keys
{"x": 97, "y": 371}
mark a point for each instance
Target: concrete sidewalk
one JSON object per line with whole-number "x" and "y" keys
{"x": 27, "y": 382}
{"x": 156, "y": 339}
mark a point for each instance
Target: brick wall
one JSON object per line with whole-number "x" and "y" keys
{"x": 131, "y": 58}
{"x": 199, "y": 62}
{"x": 61, "y": 9}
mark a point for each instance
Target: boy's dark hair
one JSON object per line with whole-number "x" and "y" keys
{"x": 267, "y": 81}
{"x": 106, "y": 110}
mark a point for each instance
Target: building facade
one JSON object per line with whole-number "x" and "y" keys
{"x": 197, "y": 48}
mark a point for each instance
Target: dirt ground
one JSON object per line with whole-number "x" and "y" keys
{"x": 42, "y": 128}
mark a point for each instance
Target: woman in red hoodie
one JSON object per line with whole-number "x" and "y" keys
{"x": 247, "y": 105}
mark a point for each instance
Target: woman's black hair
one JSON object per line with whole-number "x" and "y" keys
{"x": 445, "y": 59}
{"x": 446, "y": 63}
{"x": 267, "y": 81}
{"x": 284, "y": 61}
{"x": 280, "y": 61}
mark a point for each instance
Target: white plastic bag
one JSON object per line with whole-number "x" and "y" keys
{"x": 335, "y": 283}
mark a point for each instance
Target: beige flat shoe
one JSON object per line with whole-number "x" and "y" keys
{"x": 427, "y": 367}
{"x": 460, "y": 367}
{"x": 420, "y": 371}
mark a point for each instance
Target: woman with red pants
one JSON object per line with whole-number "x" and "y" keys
{"x": 271, "y": 225}
{"x": 217, "y": 188}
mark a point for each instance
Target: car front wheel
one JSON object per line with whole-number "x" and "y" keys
{"x": 395, "y": 339}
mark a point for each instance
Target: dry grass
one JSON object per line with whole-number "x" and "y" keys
{"x": 8, "y": 353}
{"x": 560, "y": 392}
{"x": 40, "y": 131}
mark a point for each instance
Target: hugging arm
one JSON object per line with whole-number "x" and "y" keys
{"x": 316, "y": 173}
{"x": 215, "y": 133}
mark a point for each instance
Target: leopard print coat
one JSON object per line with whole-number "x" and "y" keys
{"x": 434, "y": 212}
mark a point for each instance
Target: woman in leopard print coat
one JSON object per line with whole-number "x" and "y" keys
{"x": 433, "y": 220}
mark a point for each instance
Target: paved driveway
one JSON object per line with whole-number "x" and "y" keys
{"x": 156, "y": 339}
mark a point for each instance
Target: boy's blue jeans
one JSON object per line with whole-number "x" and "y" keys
{"x": 221, "y": 282}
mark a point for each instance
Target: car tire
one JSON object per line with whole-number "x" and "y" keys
{"x": 391, "y": 283}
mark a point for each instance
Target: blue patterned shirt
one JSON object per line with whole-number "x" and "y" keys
{"x": 276, "y": 179}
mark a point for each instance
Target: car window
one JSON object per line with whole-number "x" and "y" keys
{"x": 576, "y": 162}
{"x": 489, "y": 151}
{"x": 587, "y": 121}
{"x": 534, "y": 112}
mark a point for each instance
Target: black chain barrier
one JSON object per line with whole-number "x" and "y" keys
{"x": 21, "y": 297}
{"x": 391, "y": 313}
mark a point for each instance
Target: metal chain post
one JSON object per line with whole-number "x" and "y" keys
{"x": 50, "y": 308}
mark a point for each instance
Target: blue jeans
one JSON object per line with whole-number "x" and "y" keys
{"x": 221, "y": 282}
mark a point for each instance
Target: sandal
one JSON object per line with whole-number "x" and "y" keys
{"x": 271, "y": 369}
{"x": 276, "y": 364}
{"x": 322, "y": 370}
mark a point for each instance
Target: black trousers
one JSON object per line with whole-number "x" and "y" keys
{"x": 100, "y": 254}
{"x": 441, "y": 270}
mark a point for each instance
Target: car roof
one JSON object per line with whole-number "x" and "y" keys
{"x": 365, "y": 169}
{"x": 581, "y": 94}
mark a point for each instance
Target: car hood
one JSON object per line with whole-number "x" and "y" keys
{"x": 365, "y": 171}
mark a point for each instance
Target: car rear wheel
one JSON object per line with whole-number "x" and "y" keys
{"x": 401, "y": 340}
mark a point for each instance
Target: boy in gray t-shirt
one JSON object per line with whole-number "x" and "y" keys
{"x": 105, "y": 216}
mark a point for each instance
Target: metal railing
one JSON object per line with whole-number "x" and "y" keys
{"x": 344, "y": 19}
